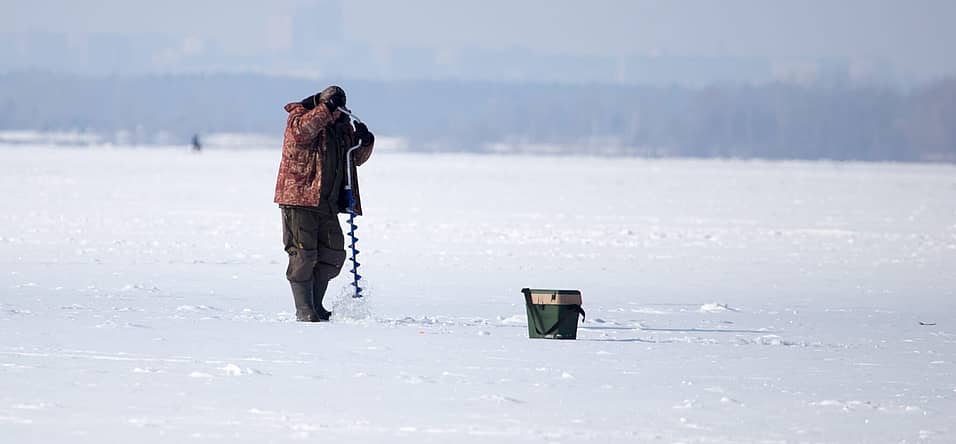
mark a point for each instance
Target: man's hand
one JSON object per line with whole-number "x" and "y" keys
{"x": 334, "y": 101}
{"x": 362, "y": 132}
{"x": 332, "y": 106}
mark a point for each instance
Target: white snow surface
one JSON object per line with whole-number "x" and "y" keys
{"x": 144, "y": 300}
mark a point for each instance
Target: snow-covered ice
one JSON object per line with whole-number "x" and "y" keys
{"x": 144, "y": 300}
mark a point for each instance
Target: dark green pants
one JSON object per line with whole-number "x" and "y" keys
{"x": 315, "y": 244}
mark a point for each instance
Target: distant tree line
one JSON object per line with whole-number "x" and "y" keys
{"x": 772, "y": 121}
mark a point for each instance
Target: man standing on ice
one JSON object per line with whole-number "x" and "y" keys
{"x": 309, "y": 191}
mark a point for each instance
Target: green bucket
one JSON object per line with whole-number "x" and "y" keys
{"x": 553, "y": 314}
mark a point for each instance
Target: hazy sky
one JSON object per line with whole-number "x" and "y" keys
{"x": 916, "y": 36}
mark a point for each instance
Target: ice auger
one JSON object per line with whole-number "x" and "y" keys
{"x": 356, "y": 277}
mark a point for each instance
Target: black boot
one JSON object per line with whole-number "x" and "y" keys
{"x": 319, "y": 286}
{"x": 302, "y": 295}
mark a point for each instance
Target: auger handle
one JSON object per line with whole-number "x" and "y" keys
{"x": 349, "y": 113}
{"x": 348, "y": 154}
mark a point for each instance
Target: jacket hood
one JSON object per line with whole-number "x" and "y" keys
{"x": 292, "y": 106}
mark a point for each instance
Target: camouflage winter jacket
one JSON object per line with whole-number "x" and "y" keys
{"x": 308, "y": 134}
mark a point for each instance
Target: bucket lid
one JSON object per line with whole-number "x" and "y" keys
{"x": 549, "y": 297}
{"x": 530, "y": 291}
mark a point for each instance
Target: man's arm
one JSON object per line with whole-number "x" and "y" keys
{"x": 306, "y": 126}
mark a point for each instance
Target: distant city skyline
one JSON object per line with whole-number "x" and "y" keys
{"x": 618, "y": 42}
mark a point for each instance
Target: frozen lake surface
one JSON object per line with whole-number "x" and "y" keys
{"x": 144, "y": 300}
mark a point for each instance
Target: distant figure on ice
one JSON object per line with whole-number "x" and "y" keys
{"x": 195, "y": 143}
{"x": 309, "y": 189}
